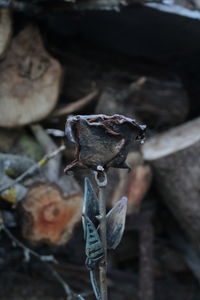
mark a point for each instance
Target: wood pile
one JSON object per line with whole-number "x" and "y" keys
{"x": 137, "y": 58}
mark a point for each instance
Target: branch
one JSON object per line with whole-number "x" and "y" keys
{"x": 76, "y": 105}
{"x": 30, "y": 171}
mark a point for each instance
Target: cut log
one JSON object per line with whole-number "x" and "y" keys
{"x": 175, "y": 158}
{"x": 197, "y": 4}
{"x": 5, "y": 29}
{"x": 185, "y": 8}
{"x": 149, "y": 99}
{"x": 134, "y": 184}
{"x": 30, "y": 81}
{"x": 49, "y": 216}
{"x": 98, "y": 5}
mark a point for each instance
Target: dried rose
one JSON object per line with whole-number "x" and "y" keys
{"x": 102, "y": 140}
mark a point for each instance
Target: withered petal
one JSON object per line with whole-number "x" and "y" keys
{"x": 102, "y": 140}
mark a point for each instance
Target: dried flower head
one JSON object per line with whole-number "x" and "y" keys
{"x": 102, "y": 141}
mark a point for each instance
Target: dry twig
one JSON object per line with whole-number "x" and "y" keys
{"x": 33, "y": 168}
{"x": 43, "y": 259}
{"x": 52, "y": 170}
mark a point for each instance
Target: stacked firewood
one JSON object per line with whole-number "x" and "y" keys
{"x": 94, "y": 57}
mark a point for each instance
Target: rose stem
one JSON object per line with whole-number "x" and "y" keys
{"x": 103, "y": 232}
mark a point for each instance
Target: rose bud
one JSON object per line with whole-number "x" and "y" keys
{"x": 102, "y": 140}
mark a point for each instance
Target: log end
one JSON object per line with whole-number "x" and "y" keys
{"x": 30, "y": 80}
{"x": 172, "y": 141}
{"x": 49, "y": 217}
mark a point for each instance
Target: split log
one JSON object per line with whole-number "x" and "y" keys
{"x": 184, "y": 249}
{"x": 175, "y": 158}
{"x": 197, "y": 4}
{"x": 185, "y": 8}
{"x": 48, "y": 215}
{"x": 52, "y": 169}
{"x": 134, "y": 184}
{"x": 30, "y": 81}
{"x": 152, "y": 99}
{"x": 5, "y": 29}
{"x": 139, "y": 181}
{"x": 149, "y": 99}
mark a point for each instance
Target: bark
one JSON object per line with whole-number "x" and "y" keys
{"x": 175, "y": 158}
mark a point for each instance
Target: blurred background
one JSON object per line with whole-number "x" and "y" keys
{"x": 137, "y": 58}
